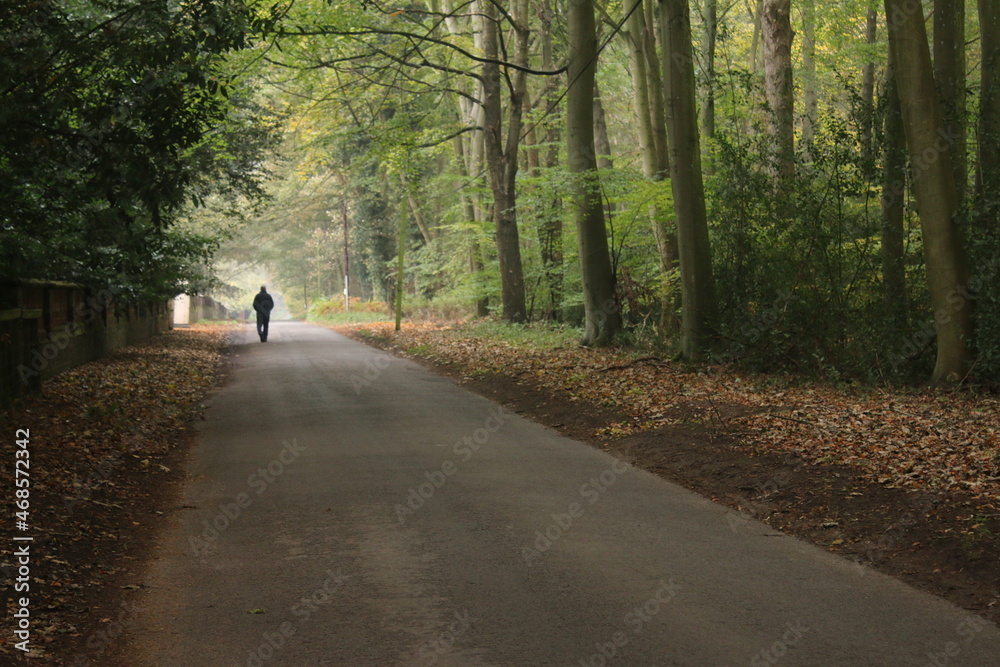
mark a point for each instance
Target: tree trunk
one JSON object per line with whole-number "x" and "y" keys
{"x": 657, "y": 99}
{"x": 469, "y": 146}
{"x": 777, "y": 30}
{"x": 710, "y": 29}
{"x": 400, "y": 265}
{"x": 601, "y": 316}
{"x": 893, "y": 206}
{"x": 471, "y": 215}
{"x": 755, "y": 45}
{"x": 810, "y": 96}
{"x": 531, "y": 153}
{"x": 647, "y": 100}
{"x": 989, "y": 103}
{"x": 602, "y": 144}
{"x": 426, "y": 231}
{"x": 550, "y": 227}
{"x": 949, "y": 72}
{"x": 476, "y": 115}
{"x": 697, "y": 283}
{"x": 868, "y": 94}
{"x": 937, "y": 194}
{"x": 501, "y": 157}
{"x": 640, "y": 86}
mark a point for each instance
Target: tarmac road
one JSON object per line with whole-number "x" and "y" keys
{"x": 351, "y": 508}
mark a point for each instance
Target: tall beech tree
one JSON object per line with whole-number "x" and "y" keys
{"x": 664, "y": 231}
{"x": 710, "y": 33}
{"x": 893, "y": 204}
{"x": 648, "y": 102}
{"x": 936, "y": 191}
{"x": 469, "y": 146}
{"x": 868, "y": 91}
{"x": 550, "y": 226}
{"x": 810, "y": 91}
{"x": 697, "y": 283}
{"x": 776, "y": 27}
{"x": 988, "y": 179}
{"x": 501, "y": 152}
{"x": 949, "y": 73}
{"x": 602, "y": 320}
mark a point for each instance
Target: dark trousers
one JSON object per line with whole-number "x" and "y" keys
{"x": 262, "y": 321}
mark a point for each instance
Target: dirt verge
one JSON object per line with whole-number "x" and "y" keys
{"x": 109, "y": 445}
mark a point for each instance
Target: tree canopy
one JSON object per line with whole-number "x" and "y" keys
{"x": 763, "y": 182}
{"x": 115, "y": 117}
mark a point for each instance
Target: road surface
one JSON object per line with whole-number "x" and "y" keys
{"x": 350, "y": 508}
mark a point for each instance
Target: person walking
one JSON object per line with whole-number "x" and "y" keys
{"x": 263, "y": 304}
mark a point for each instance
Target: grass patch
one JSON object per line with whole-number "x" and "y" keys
{"x": 370, "y": 335}
{"x": 350, "y": 317}
{"x": 210, "y": 324}
{"x": 536, "y": 336}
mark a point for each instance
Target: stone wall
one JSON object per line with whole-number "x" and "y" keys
{"x": 193, "y": 309}
{"x": 48, "y": 327}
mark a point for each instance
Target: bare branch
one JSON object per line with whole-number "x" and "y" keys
{"x": 329, "y": 31}
{"x": 450, "y": 136}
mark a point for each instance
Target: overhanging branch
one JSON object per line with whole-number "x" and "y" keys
{"x": 329, "y": 31}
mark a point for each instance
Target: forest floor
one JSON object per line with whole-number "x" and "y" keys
{"x": 907, "y": 482}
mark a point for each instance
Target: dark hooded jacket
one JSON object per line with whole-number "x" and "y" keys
{"x": 263, "y": 303}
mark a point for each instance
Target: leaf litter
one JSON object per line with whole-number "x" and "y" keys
{"x": 103, "y": 438}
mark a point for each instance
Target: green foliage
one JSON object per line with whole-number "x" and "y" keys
{"x": 805, "y": 293}
{"x": 534, "y": 336}
{"x": 114, "y": 118}
{"x": 335, "y": 306}
{"x": 332, "y": 311}
{"x": 984, "y": 288}
{"x": 798, "y": 267}
{"x": 445, "y": 306}
{"x": 643, "y": 289}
